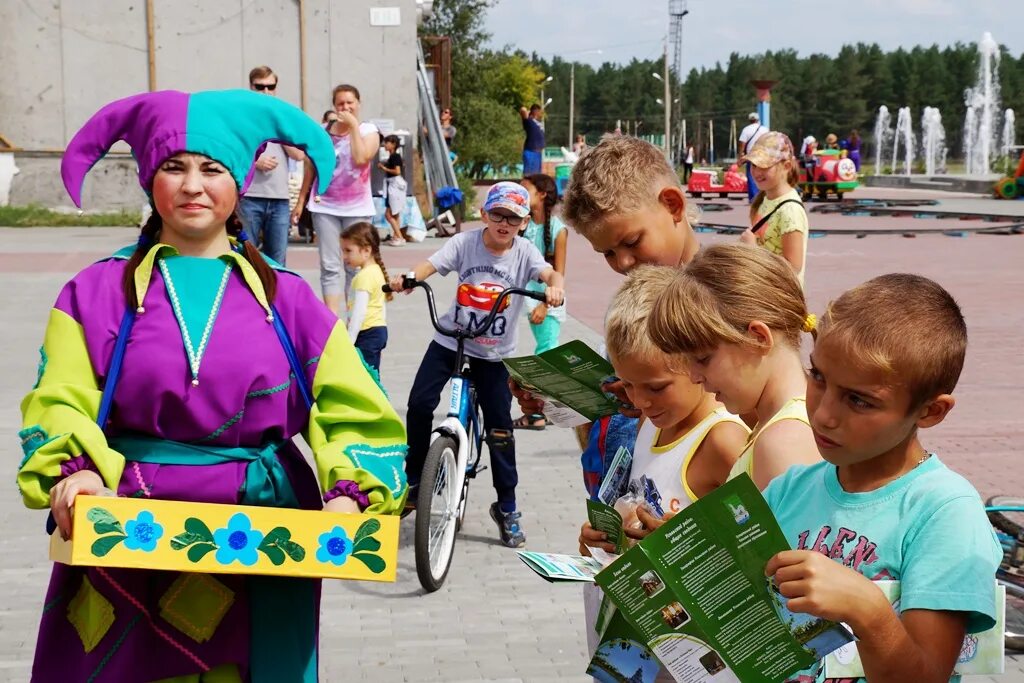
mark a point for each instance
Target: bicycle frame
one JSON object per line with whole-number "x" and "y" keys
{"x": 460, "y": 424}
{"x": 461, "y": 410}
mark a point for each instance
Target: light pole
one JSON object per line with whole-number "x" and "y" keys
{"x": 543, "y": 101}
{"x": 572, "y": 103}
{"x": 667, "y": 82}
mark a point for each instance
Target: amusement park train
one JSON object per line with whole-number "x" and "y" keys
{"x": 823, "y": 174}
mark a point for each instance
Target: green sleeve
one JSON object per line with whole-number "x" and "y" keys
{"x": 59, "y": 415}
{"x": 354, "y": 432}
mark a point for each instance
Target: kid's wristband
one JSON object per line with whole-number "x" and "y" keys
{"x": 348, "y": 489}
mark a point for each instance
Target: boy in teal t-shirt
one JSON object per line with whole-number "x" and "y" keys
{"x": 887, "y": 356}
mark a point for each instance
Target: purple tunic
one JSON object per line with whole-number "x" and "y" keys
{"x": 245, "y": 398}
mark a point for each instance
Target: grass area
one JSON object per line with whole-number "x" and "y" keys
{"x": 33, "y": 216}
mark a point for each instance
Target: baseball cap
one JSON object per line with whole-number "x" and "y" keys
{"x": 770, "y": 149}
{"x": 752, "y": 116}
{"x": 508, "y": 195}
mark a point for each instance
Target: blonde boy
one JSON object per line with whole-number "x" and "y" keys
{"x": 626, "y": 200}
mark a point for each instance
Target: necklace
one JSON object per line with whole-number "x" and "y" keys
{"x": 195, "y": 355}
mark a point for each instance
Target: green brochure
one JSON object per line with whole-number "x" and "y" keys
{"x": 695, "y": 592}
{"x": 607, "y": 519}
{"x": 556, "y": 568}
{"x": 570, "y": 376}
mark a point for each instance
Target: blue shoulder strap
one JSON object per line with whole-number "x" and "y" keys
{"x": 114, "y": 373}
{"x": 293, "y": 358}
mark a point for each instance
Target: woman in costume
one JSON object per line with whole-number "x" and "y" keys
{"x": 181, "y": 368}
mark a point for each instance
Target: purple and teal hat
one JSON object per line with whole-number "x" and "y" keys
{"x": 230, "y": 126}
{"x": 508, "y": 195}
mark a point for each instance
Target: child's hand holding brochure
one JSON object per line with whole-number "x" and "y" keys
{"x": 570, "y": 377}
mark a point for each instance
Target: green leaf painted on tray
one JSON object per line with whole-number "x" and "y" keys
{"x": 199, "y": 528}
{"x": 277, "y": 534}
{"x": 374, "y": 563}
{"x": 103, "y": 521}
{"x": 277, "y": 543}
{"x": 185, "y": 539}
{"x": 293, "y": 549}
{"x": 367, "y": 544}
{"x": 199, "y": 551}
{"x": 102, "y": 546}
{"x": 273, "y": 553}
{"x": 367, "y": 528}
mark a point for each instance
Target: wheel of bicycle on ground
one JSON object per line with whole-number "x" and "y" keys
{"x": 437, "y": 510}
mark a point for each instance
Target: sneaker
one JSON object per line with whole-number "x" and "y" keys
{"x": 512, "y": 535}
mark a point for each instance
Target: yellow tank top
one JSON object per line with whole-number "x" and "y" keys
{"x": 666, "y": 466}
{"x": 794, "y": 409}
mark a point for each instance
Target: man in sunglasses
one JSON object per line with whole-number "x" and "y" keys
{"x": 264, "y": 208}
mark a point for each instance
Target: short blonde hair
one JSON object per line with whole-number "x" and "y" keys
{"x": 905, "y": 325}
{"x": 618, "y": 175}
{"x": 625, "y": 326}
{"x": 716, "y": 297}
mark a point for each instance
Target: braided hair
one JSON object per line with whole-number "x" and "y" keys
{"x": 363, "y": 234}
{"x": 151, "y": 234}
{"x": 546, "y": 184}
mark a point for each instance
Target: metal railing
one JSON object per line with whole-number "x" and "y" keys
{"x": 437, "y": 165}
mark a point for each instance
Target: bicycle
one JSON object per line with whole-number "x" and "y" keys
{"x": 453, "y": 458}
{"x": 1001, "y": 511}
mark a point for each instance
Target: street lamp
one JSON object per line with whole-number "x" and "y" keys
{"x": 544, "y": 101}
{"x": 667, "y": 103}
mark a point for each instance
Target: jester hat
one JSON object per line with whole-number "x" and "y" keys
{"x": 229, "y": 126}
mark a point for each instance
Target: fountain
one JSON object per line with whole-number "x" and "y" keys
{"x": 883, "y": 133}
{"x": 933, "y": 141}
{"x": 982, "y": 106}
{"x": 1009, "y": 132}
{"x": 904, "y": 129}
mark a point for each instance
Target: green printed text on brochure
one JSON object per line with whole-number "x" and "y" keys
{"x": 696, "y": 592}
{"x": 570, "y": 375}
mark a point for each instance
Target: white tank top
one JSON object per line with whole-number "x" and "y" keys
{"x": 665, "y": 466}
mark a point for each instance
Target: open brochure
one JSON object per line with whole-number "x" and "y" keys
{"x": 570, "y": 378}
{"x": 695, "y": 593}
{"x": 981, "y": 653}
{"x": 556, "y": 568}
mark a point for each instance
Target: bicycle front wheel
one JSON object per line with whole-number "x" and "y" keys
{"x": 437, "y": 512}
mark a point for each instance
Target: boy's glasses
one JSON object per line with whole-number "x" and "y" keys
{"x": 513, "y": 221}
{"x": 264, "y": 86}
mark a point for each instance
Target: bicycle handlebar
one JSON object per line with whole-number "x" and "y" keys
{"x": 411, "y": 283}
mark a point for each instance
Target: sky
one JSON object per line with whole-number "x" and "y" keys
{"x": 624, "y": 29}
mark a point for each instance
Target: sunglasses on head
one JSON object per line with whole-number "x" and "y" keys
{"x": 264, "y": 86}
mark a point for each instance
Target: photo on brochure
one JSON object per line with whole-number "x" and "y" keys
{"x": 651, "y": 584}
{"x": 712, "y": 663}
{"x": 621, "y": 659}
{"x": 674, "y": 615}
{"x": 817, "y": 636}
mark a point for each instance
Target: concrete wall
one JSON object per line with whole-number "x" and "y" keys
{"x": 64, "y": 59}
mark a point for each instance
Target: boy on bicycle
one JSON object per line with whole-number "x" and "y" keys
{"x": 886, "y": 358}
{"x": 487, "y": 261}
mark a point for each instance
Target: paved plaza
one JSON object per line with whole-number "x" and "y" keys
{"x": 495, "y": 620}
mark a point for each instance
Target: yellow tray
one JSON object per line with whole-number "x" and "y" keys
{"x": 229, "y": 539}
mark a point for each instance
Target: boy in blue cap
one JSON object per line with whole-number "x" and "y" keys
{"x": 487, "y": 261}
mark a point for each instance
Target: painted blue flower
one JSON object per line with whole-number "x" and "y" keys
{"x": 335, "y": 546}
{"x": 143, "y": 532}
{"x": 238, "y": 541}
